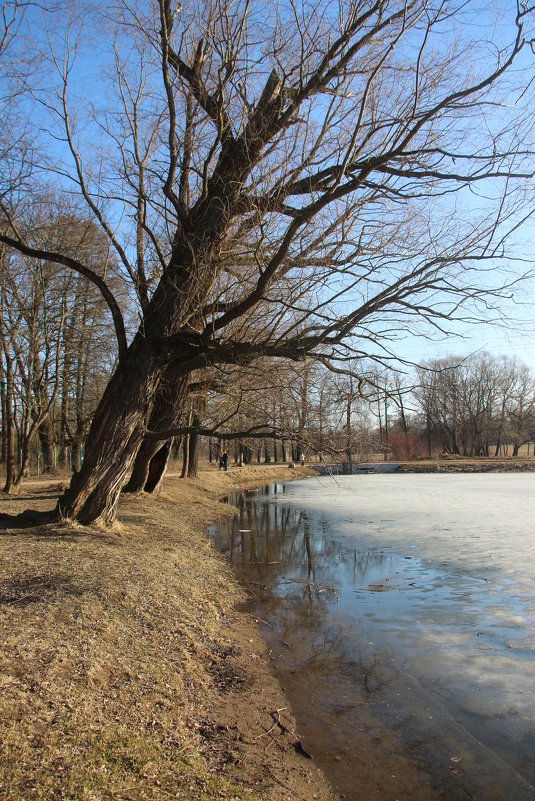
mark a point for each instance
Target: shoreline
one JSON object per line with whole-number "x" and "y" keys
{"x": 128, "y": 668}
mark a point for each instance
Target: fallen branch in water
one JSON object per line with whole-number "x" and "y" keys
{"x": 308, "y": 583}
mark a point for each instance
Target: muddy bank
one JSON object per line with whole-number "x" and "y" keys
{"x": 127, "y": 670}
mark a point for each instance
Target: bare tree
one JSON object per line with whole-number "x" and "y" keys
{"x": 472, "y": 402}
{"x": 520, "y": 406}
{"x": 276, "y": 187}
{"x": 8, "y": 390}
{"x": 53, "y": 334}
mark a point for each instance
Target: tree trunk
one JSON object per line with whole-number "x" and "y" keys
{"x": 193, "y": 462}
{"x": 348, "y": 467}
{"x": 76, "y": 456}
{"x": 185, "y": 457}
{"x": 186, "y": 448}
{"x": 24, "y": 459}
{"x": 166, "y": 413}
{"x": 9, "y": 428}
{"x": 114, "y": 438}
{"x": 45, "y": 433}
{"x": 4, "y": 414}
{"x": 148, "y": 450}
{"x": 158, "y": 468}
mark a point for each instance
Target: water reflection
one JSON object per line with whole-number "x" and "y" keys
{"x": 384, "y": 655}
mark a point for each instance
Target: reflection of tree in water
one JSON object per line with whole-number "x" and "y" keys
{"x": 348, "y": 668}
{"x": 291, "y": 562}
{"x": 286, "y": 553}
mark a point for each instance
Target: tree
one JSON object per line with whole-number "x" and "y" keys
{"x": 54, "y": 340}
{"x": 520, "y": 406}
{"x": 470, "y": 403}
{"x": 6, "y": 366}
{"x": 274, "y": 188}
{"x": 35, "y": 331}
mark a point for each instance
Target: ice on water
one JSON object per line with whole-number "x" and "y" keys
{"x": 458, "y": 551}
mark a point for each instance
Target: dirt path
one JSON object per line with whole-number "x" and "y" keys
{"x": 127, "y": 670}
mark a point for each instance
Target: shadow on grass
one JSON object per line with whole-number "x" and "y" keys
{"x": 20, "y": 591}
{"x": 30, "y": 518}
{"x": 37, "y": 497}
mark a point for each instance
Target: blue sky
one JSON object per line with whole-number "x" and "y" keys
{"x": 512, "y": 340}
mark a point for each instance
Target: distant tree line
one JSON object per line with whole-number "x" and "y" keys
{"x": 481, "y": 406}
{"x": 56, "y": 348}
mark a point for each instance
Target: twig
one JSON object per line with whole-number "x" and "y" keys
{"x": 265, "y": 622}
{"x": 307, "y": 583}
{"x": 277, "y": 718}
{"x": 126, "y": 790}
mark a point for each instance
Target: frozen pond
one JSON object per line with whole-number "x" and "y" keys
{"x": 400, "y": 614}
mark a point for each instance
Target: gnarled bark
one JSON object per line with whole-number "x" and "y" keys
{"x": 153, "y": 455}
{"x": 140, "y": 470}
{"x": 115, "y": 436}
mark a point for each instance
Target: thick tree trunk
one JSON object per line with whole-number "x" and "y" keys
{"x": 114, "y": 438}
{"x": 166, "y": 413}
{"x": 142, "y": 465}
{"x": 158, "y": 468}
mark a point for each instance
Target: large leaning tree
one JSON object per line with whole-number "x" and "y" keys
{"x": 274, "y": 181}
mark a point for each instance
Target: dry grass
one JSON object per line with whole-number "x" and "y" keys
{"x": 113, "y": 654}
{"x": 469, "y": 464}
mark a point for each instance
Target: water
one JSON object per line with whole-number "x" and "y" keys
{"x": 400, "y": 615}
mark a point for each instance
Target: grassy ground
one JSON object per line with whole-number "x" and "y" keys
{"x": 468, "y": 464}
{"x": 127, "y": 670}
